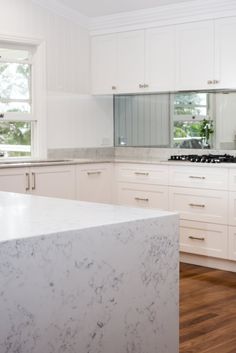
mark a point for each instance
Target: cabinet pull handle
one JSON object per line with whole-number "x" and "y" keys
{"x": 141, "y": 199}
{"x": 113, "y": 88}
{"x": 210, "y": 82}
{"x": 141, "y": 86}
{"x": 197, "y": 177}
{"x": 27, "y": 187}
{"x": 196, "y": 205}
{"x": 141, "y": 173}
{"x": 216, "y": 81}
{"x": 145, "y": 86}
{"x": 196, "y": 238}
{"x": 33, "y": 181}
{"x": 94, "y": 173}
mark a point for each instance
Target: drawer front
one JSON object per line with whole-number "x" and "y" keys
{"x": 204, "y": 239}
{"x": 232, "y": 208}
{"x": 232, "y": 243}
{"x": 94, "y": 183}
{"x": 200, "y": 205}
{"x": 199, "y": 177}
{"x": 139, "y": 195}
{"x": 232, "y": 179}
{"x": 142, "y": 173}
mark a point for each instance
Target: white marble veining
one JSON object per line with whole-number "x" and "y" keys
{"x": 86, "y": 278}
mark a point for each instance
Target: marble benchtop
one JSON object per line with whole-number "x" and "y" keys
{"x": 81, "y": 161}
{"x": 24, "y": 216}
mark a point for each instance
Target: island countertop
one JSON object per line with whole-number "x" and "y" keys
{"x": 88, "y": 278}
{"x": 24, "y": 216}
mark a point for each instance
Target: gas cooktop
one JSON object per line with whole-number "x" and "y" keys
{"x": 205, "y": 158}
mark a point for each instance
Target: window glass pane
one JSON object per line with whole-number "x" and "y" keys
{"x": 17, "y": 107}
{"x": 15, "y": 138}
{"x": 14, "y": 81}
{"x": 14, "y": 54}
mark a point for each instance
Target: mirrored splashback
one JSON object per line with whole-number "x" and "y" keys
{"x": 199, "y": 120}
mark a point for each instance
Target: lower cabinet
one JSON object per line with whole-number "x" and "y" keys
{"x": 204, "y": 239}
{"x": 142, "y": 195}
{"x": 14, "y": 180}
{"x": 94, "y": 182}
{"x": 200, "y": 205}
{"x": 232, "y": 243}
{"x": 51, "y": 181}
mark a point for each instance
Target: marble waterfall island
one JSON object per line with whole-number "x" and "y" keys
{"x": 78, "y": 277}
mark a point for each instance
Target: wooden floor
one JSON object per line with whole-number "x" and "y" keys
{"x": 207, "y": 310}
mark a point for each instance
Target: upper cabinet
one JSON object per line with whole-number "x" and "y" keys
{"x": 130, "y": 61}
{"x": 104, "y": 64}
{"x": 225, "y": 58}
{"x": 195, "y": 56}
{"x": 160, "y": 59}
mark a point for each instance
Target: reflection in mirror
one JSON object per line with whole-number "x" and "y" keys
{"x": 200, "y": 120}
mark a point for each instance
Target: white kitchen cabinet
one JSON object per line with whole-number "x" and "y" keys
{"x": 142, "y": 173}
{"x": 195, "y": 55}
{"x": 104, "y": 64}
{"x": 225, "y": 55}
{"x": 94, "y": 182}
{"x": 130, "y": 61}
{"x": 200, "y": 205}
{"x": 15, "y": 180}
{"x": 142, "y": 185}
{"x": 204, "y": 239}
{"x": 199, "y": 177}
{"x": 232, "y": 208}
{"x": 160, "y": 59}
{"x": 53, "y": 181}
{"x": 232, "y": 243}
{"x": 141, "y": 195}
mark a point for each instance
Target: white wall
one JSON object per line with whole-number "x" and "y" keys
{"x": 68, "y": 74}
{"x": 81, "y": 121}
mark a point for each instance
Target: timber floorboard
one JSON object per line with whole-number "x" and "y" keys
{"x": 207, "y": 310}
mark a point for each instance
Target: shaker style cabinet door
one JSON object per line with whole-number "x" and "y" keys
{"x": 195, "y": 56}
{"x": 160, "y": 59}
{"x": 225, "y": 34}
{"x": 104, "y": 64}
{"x": 53, "y": 181}
{"x": 15, "y": 180}
{"x": 130, "y": 61}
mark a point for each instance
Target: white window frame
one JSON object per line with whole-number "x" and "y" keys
{"x": 38, "y": 91}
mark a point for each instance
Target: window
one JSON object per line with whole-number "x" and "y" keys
{"x": 16, "y": 118}
{"x": 191, "y": 120}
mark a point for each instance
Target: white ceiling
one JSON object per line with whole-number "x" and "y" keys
{"x": 94, "y": 8}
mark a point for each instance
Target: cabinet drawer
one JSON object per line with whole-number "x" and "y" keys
{"x": 142, "y": 173}
{"x": 204, "y": 239}
{"x": 93, "y": 183}
{"x": 139, "y": 195}
{"x": 232, "y": 208}
{"x": 199, "y": 177}
{"x": 232, "y": 243}
{"x": 232, "y": 179}
{"x": 199, "y": 205}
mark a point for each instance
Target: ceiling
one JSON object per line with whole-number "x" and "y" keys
{"x": 94, "y": 8}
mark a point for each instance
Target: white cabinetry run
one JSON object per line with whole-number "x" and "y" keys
{"x": 166, "y": 58}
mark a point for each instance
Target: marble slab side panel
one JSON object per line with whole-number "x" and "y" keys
{"x": 112, "y": 289}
